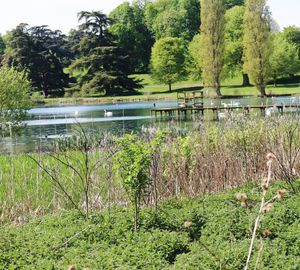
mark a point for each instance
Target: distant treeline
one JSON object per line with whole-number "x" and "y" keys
{"x": 98, "y": 56}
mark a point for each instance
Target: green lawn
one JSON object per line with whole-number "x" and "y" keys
{"x": 154, "y": 91}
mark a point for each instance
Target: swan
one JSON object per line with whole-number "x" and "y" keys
{"x": 270, "y": 111}
{"x": 108, "y": 114}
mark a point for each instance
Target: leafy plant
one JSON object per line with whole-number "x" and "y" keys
{"x": 14, "y": 99}
{"x": 133, "y": 162}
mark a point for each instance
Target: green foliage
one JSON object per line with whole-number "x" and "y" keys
{"x": 231, "y": 3}
{"x": 173, "y": 18}
{"x": 284, "y": 58}
{"x": 168, "y": 60}
{"x": 39, "y": 51}
{"x": 193, "y": 60}
{"x": 107, "y": 241}
{"x": 257, "y": 43}
{"x": 133, "y": 162}
{"x": 14, "y": 98}
{"x": 100, "y": 67}
{"x": 234, "y": 34}
{"x": 2, "y": 48}
{"x": 131, "y": 33}
{"x": 105, "y": 70}
{"x": 212, "y": 42}
{"x": 292, "y": 35}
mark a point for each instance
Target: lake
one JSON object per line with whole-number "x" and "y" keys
{"x": 45, "y": 124}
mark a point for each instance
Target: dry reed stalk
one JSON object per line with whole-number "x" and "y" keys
{"x": 263, "y": 204}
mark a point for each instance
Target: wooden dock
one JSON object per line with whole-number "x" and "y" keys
{"x": 184, "y": 110}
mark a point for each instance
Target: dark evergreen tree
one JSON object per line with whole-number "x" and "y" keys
{"x": 231, "y": 3}
{"x": 39, "y": 51}
{"x": 2, "y": 48}
{"x": 101, "y": 66}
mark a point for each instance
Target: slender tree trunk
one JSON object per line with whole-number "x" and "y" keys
{"x": 218, "y": 88}
{"x": 246, "y": 80}
{"x": 136, "y": 212}
{"x": 170, "y": 87}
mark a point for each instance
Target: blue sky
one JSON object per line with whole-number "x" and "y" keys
{"x": 61, "y": 14}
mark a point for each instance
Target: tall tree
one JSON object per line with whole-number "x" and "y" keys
{"x": 292, "y": 35}
{"x": 100, "y": 67}
{"x": 131, "y": 33}
{"x": 257, "y": 43}
{"x": 168, "y": 61}
{"x": 234, "y": 48}
{"x": 212, "y": 42}
{"x": 173, "y": 18}
{"x": 104, "y": 71}
{"x": 2, "y": 48}
{"x": 37, "y": 50}
{"x": 94, "y": 30}
{"x": 284, "y": 58}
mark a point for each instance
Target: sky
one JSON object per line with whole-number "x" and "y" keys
{"x": 61, "y": 14}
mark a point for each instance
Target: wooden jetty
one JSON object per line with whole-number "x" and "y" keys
{"x": 193, "y": 104}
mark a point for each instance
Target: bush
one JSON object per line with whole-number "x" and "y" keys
{"x": 14, "y": 99}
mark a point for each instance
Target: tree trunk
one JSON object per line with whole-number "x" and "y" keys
{"x": 262, "y": 90}
{"x": 218, "y": 89}
{"x": 246, "y": 80}
{"x": 46, "y": 93}
{"x": 275, "y": 82}
{"x": 170, "y": 88}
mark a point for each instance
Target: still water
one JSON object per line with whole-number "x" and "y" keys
{"x": 45, "y": 124}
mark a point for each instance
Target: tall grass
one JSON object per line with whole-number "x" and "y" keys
{"x": 208, "y": 159}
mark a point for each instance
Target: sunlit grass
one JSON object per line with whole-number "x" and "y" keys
{"x": 154, "y": 91}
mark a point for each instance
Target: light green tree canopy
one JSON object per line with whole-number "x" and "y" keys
{"x": 234, "y": 33}
{"x": 168, "y": 60}
{"x": 173, "y": 18}
{"x": 292, "y": 35}
{"x": 212, "y": 42}
{"x": 131, "y": 33}
{"x": 14, "y": 97}
{"x": 257, "y": 43}
{"x": 284, "y": 58}
{"x": 193, "y": 59}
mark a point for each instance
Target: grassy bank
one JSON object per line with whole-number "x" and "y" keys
{"x": 153, "y": 91}
{"x": 207, "y": 232}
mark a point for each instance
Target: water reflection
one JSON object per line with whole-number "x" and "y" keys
{"x": 46, "y": 124}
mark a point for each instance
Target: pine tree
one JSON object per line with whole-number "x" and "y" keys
{"x": 257, "y": 43}
{"x": 212, "y": 42}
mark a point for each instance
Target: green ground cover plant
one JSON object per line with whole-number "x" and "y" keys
{"x": 207, "y": 232}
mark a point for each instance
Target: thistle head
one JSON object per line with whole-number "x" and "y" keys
{"x": 242, "y": 197}
{"x": 267, "y": 208}
{"x": 280, "y": 193}
{"x": 271, "y": 156}
{"x": 266, "y": 233}
{"x": 187, "y": 224}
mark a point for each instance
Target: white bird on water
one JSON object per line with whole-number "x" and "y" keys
{"x": 108, "y": 114}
